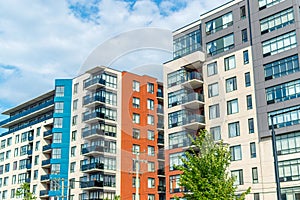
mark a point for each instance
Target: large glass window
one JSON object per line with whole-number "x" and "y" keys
{"x": 175, "y": 160}
{"x": 232, "y": 106}
{"x": 136, "y": 102}
{"x": 59, "y": 107}
{"x": 187, "y": 44}
{"x": 236, "y": 152}
{"x": 174, "y": 184}
{"x": 288, "y": 143}
{"x": 216, "y": 133}
{"x": 214, "y": 111}
{"x": 238, "y": 174}
{"x": 289, "y": 117}
{"x": 289, "y": 170}
{"x": 179, "y": 139}
{"x": 150, "y": 104}
{"x": 283, "y": 92}
{"x": 219, "y": 23}
{"x": 279, "y": 44}
{"x": 58, "y": 123}
{"x": 59, "y": 91}
{"x": 234, "y": 129}
{"x": 267, "y": 3}
{"x": 220, "y": 45}
{"x": 231, "y": 84}
{"x": 212, "y": 69}
{"x": 56, "y": 153}
{"x": 277, "y": 21}
{"x": 136, "y": 86}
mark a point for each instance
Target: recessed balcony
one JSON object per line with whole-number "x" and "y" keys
{"x": 193, "y": 101}
{"x": 194, "y": 80}
{"x": 94, "y": 84}
{"x": 45, "y": 178}
{"x": 161, "y": 189}
{"x": 92, "y": 167}
{"x": 47, "y": 148}
{"x": 44, "y": 193}
{"x": 46, "y": 163}
{"x": 96, "y": 117}
{"x": 48, "y": 134}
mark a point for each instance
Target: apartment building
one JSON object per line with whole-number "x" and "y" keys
{"x": 82, "y": 140}
{"x": 231, "y": 71}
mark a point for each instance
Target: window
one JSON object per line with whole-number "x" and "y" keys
{"x": 150, "y": 104}
{"x": 288, "y": 143}
{"x": 59, "y": 107}
{"x": 249, "y": 102}
{"x": 212, "y": 69}
{"x": 38, "y": 131}
{"x": 252, "y": 150}
{"x": 74, "y": 120}
{"x": 151, "y": 166}
{"x": 75, "y": 88}
{"x": 136, "y": 133}
{"x": 22, "y": 164}
{"x": 256, "y": 196}
{"x": 236, "y": 153}
{"x": 279, "y": 44}
{"x": 58, "y": 123}
{"x": 15, "y": 165}
{"x": 232, "y": 106}
{"x": 136, "y": 102}
{"x": 23, "y": 150}
{"x": 37, "y": 145}
{"x": 213, "y": 90}
{"x": 247, "y": 79}
{"x": 12, "y": 193}
{"x": 238, "y": 174}
{"x": 229, "y": 63}
{"x": 135, "y": 182}
{"x": 246, "y": 57}
{"x": 151, "y": 197}
{"x": 150, "y": 88}
{"x": 57, "y": 137}
{"x": 219, "y": 23}
{"x": 75, "y": 104}
{"x": 174, "y": 184}
{"x": 73, "y": 151}
{"x": 72, "y": 167}
{"x": 267, "y": 3}
{"x": 73, "y": 135}
{"x": 251, "y": 125}
{"x": 187, "y": 44}
{"x": 59, "y": 91}
{"x": 136, "y": 118}
{"x": 285, "y": 117}
{"x": 243, "y": 12}
{"x": 7, "y": 167}
{"x": 136, "y": 86}
{"x": 35, "y": 174}
{"x": 177, "y": 77}
{"x": 234, "y": 129}
{"x": 150, "y": 135}
{"x": 283, "y": 92}
{"x": 56, "y": 153}
{"x": 277, "y": 21}
{"x": 254, "y": 175}
{"x": 231, "y": 84}
{"x": 214, "y": 111}
{"x": 9, "y": 141}
{"x": 151, "y": 151}
{"x": 175, "y": 160}
{"x": 216, "y": 133}
{"x": 150, "y": 119}
{"x": 244, "y": 35}
{"x": 13, "y": 181}
{"x": 72, "y": 183}
{"x": 135, "y": 148}
{"x": 179, "y": 139}
{"x": 17, "y": 139}
{"x": 151, "y": 183}
{"x": 8, "y": 154}
{"x": 220, "y": 45}
{"x": 16, "y": 153}
{"x": 36, "y": 160}
{"x": 55, "y": 168}
{"x": 289, "y": 170}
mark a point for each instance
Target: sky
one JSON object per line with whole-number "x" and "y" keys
{"x": 42, "y": 40}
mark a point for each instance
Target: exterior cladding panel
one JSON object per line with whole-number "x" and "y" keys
{"x": 127, "y": 157}
{"x": 65, "y": 130}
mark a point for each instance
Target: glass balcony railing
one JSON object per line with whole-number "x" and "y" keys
{"x": 88, "y": 100}
{"x": 90, "y": 149}
{"x": 92, "y": 166}
{"x": 160, "y": 125}
{"x": 24, "y": 113}
{"x": 28, "y": 166}
{"x": 192, "y": 97}
{"x": 46, "y": 162}
{"x": 160, "y": 94}
{"x": 93, "y": 82}
{"x": 44, "y": 193}
{"x": 160, "y": 172}
{"x": 88, "y": 184}
{"x": 92, "y": 132}
{"x": 161, "y": 188}
{"x": 45, "y": 177}
{"x": 30, "y": 138}
{"x": 160, "y": 110}
{"x": 160, "y": 140}
{"x": 48, "y": 133}
{"x": 29, "y": 152}
{"x": 47, "y": 147}
{"x": 191, "y": 118}
{"x": 97, "y": 115}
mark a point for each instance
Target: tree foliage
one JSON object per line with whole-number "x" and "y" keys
{"x": 24, "y": 192}
{"x": 205, "y": 171}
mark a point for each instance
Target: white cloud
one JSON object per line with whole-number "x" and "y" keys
{"x": 44, "y": 40}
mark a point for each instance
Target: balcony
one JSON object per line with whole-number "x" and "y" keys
{"x": 27, "y": 112}
{"x": 160, "y": 95}
{"x": 47, "y": 148}
{"x": 44, "y": 193}
{"x": 28, "y": 166}
{"x": 161, "y": 156}
{"x": 194, "y": 121}
{"x": 193, "y": 101}
{"x": 92, "y": 134}
{"x": 193, "y": 80}
{"x": 27, "y": 180}
{"x": 94, "y": 84}
{"x": 92, "y": 167}
{"x": 160, "y": 125}
{"x": 45, "y": 178}
{"x": 160, "y": 111}
{"x": 96, "y": 116}
{"x": 48, "y": 134}
{"x": 46, "y": 163}
{"x": 30, "y": 139}
{"x": 161, "y": 172}
{"x": 92, "y": 151}
{"x": 161, "y": 189}
{"x": 91, "y": 185}
{"x": 29, "y": 152}
{"x": 160, "y": 141}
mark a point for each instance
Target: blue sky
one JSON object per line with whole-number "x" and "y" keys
{"x": 41, "y": 40}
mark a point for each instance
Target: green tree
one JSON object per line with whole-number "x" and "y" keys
{"x": 205, "y": 171}
{"x": 24, "y": 192}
